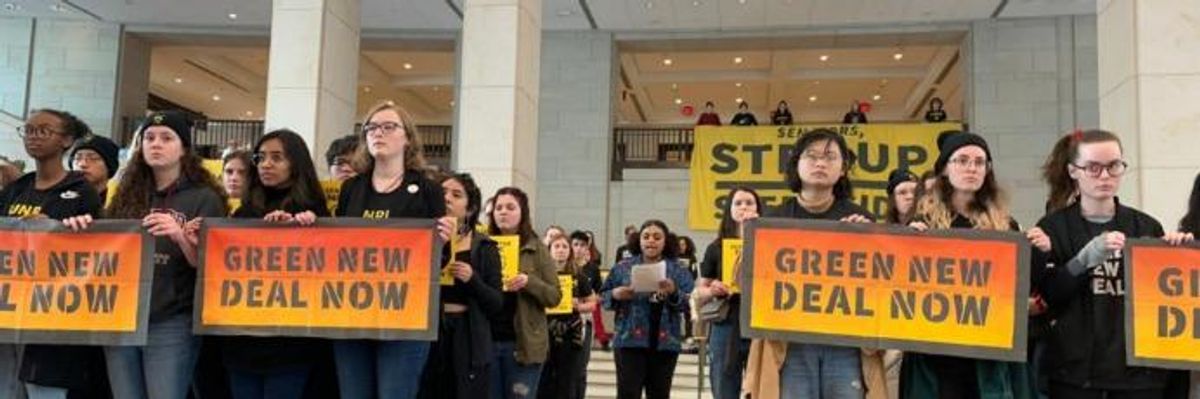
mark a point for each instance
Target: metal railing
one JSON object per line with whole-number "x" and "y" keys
{"x": 221, "y": 133}
{"x": 651, "y": 147}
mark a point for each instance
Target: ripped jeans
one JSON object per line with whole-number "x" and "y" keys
{"x": 512, "y": 380}
{"x": 821, "y": 371}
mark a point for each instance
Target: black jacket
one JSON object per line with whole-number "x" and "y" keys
{"x": 1086, "y": 346}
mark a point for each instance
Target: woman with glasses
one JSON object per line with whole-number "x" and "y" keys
{"x": 965, "y": 195}
{"x": 281, "y": 188}
{"x": 166, "y": 187}
{"x": 1085, "y": 233}
{"x": 50, "y": 191}
{"x": 392, "y": 185}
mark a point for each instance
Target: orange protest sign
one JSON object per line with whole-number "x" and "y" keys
{"x": 344, "y": 278}
{"x": 1162, "y": 305}
{"x": 85, "y": 288}
{"x": 958, "y": 292}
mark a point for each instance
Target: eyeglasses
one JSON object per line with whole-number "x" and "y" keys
{"x": 386, "y": 128}
{"x": 275, "y": 158}
{"x": 1115, "y": 169}
{"x": 812, "y": 157}
{"x": 37, "y": 131}
{"x": 979, "y": 163}
{"x": 340, "y": 161}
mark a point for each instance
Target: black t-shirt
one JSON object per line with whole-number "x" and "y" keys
{"x": 457, "y": 293}
{"x": 415, "y": 197}
{"x": 710, "y": 268}
{"x": 840, "y": 209}
{"x": 70, "y": 197}
{"x": 502, "y": 328}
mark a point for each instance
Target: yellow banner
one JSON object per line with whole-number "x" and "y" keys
{"x": 566, "y": 305}
{"x": 510, "y": 255}
{"x": 756, "y": 157}
{"x": 731, "y": 255}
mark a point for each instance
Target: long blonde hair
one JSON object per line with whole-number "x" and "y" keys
{"x": 987, "y": 211}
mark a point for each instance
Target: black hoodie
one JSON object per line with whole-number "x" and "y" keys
{"x": 1086, "y": 346}
{"x": 73, "y": 367}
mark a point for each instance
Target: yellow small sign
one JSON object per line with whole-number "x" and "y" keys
{"x": 731, "y": 256}
{"x": 332, "y": 189}
{"x": 566, "y": 305}
{"x": 446, "y": 277}
{"x": 510, "y": 257}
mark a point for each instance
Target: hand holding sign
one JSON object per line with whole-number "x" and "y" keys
{"x": 447, "y": 226}
{"x": 1114, "y": 240}
{"x": 856, "y": 218}
{"x": 278, "y": 217}
{"x": 1178, "y": 238}
{"x": 718, "y": 289}
{"x": 1039, "y": 239}
{"x": 666, "y": 287}
{"x": 78, "y": 223}
{"x": 306, "y": 218}
{"x": 462, "y": 271}
{"x": 163, "y": 225}
{"x": 518, "y": 283}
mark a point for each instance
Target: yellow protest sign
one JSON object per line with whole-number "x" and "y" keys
{"x": 446, "y": 277}
{"x": 215, "y": 166}
{"x": 332, "y": 189}
{"x": 510, "y": 255}
{"x": 566, "y": 305}
{"x": 756, "y": 157}
{"x": 731, "y": 255}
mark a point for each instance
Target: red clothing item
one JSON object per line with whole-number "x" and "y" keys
{"x": 709, "y": 118}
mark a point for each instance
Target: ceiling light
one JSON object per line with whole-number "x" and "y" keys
{"x": 451, "y": 103}
{"x": 738, "y": 84}
{"x": 649, "y": 5}
{"x": 812, "y": 99}
{"x": 898, "y": 56}
{"x": 436, "y": 88}
{"x": 366, "y": 89}
{"x": 56, "y": 7}
{"x": 876, "y": 97}
{"x": 407, "y": 66}
{"x": 678, "y": 101}
{"x": 249, "y": 113}
{"x": 737, "y": 60}
{"x": 178, "y": 80}
{"x": 668, "y": 61}
{"x": 674, "y": 86}
{"x": 739, "y": 100}
{"x": 232, "y": 15}
{"x": 742, "y": 2}
{"x": 824, "y": 57}
{"x": 216, "y": 97}
{"x": 696, "y": 3}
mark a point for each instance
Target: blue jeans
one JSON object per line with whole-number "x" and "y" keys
{"x": 512, "y": 380}
{"x": 162, "y": 369}
{"x": 821, "y": 371}
{"x": 726, "y": 384}
{"x": 287, "y": 384}
{"x": 45, "y": 392}
{"x": 380, "y": 369}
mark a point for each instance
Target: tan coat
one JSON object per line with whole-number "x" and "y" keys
{"x": 766, "y": 359}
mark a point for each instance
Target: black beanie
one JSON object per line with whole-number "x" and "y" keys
{"x": 953, "y": 142}
{"x": 175, "y": 120}
{"x": 899, "y": 176}
{"x": 107, "y": 149}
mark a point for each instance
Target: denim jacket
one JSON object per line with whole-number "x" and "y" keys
{"x": 633, "y": 316}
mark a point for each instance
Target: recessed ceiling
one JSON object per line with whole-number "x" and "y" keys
{"x": 819, "y": 84}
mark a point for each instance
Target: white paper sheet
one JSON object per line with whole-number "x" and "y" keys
{"x": 645, "y": 277}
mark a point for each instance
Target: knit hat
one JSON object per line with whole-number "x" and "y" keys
{"x": 107, "y": 149}
{"x": 899, "y": 176}
{"x": 175, "y": 120}
{"x": 953, "y": 142}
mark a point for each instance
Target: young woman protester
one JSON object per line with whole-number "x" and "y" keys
{"x": 1084, "y": 234}
{"x": 562, "y": 376}
{"x": 727, "y": 347}
{"x": 587, "y": 260}
{"x": 461, "y": 360}
{"x": 818, "y": 173}
{"x": 648, "y": 332}
{"x": 166, "y": 187}
{"x": 965, "y": 196}
{"x": 392, "y": 185}
{"x": 50, "y": 191}
{"x": 520, "y": 332}
{"x": 281, "y": 188}
{"x": 235, "y": 167}
{"x": 902, "y": 196}
{"x": 902, "y": 190}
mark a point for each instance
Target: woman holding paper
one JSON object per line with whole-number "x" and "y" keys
{"x": 393, "y": 185}
{"x": 1085, "y": 234}
{"x": 460, "y": 360}
{"x": 728, "y": 348}
{"x": 648, "y": 292}
{"x": 562, "y": 375}
{"x": 519, "y": 330}
{"x": 818, "y": 172}
{"x": 281, "y": 188}
{"x": 964, "y": 196}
